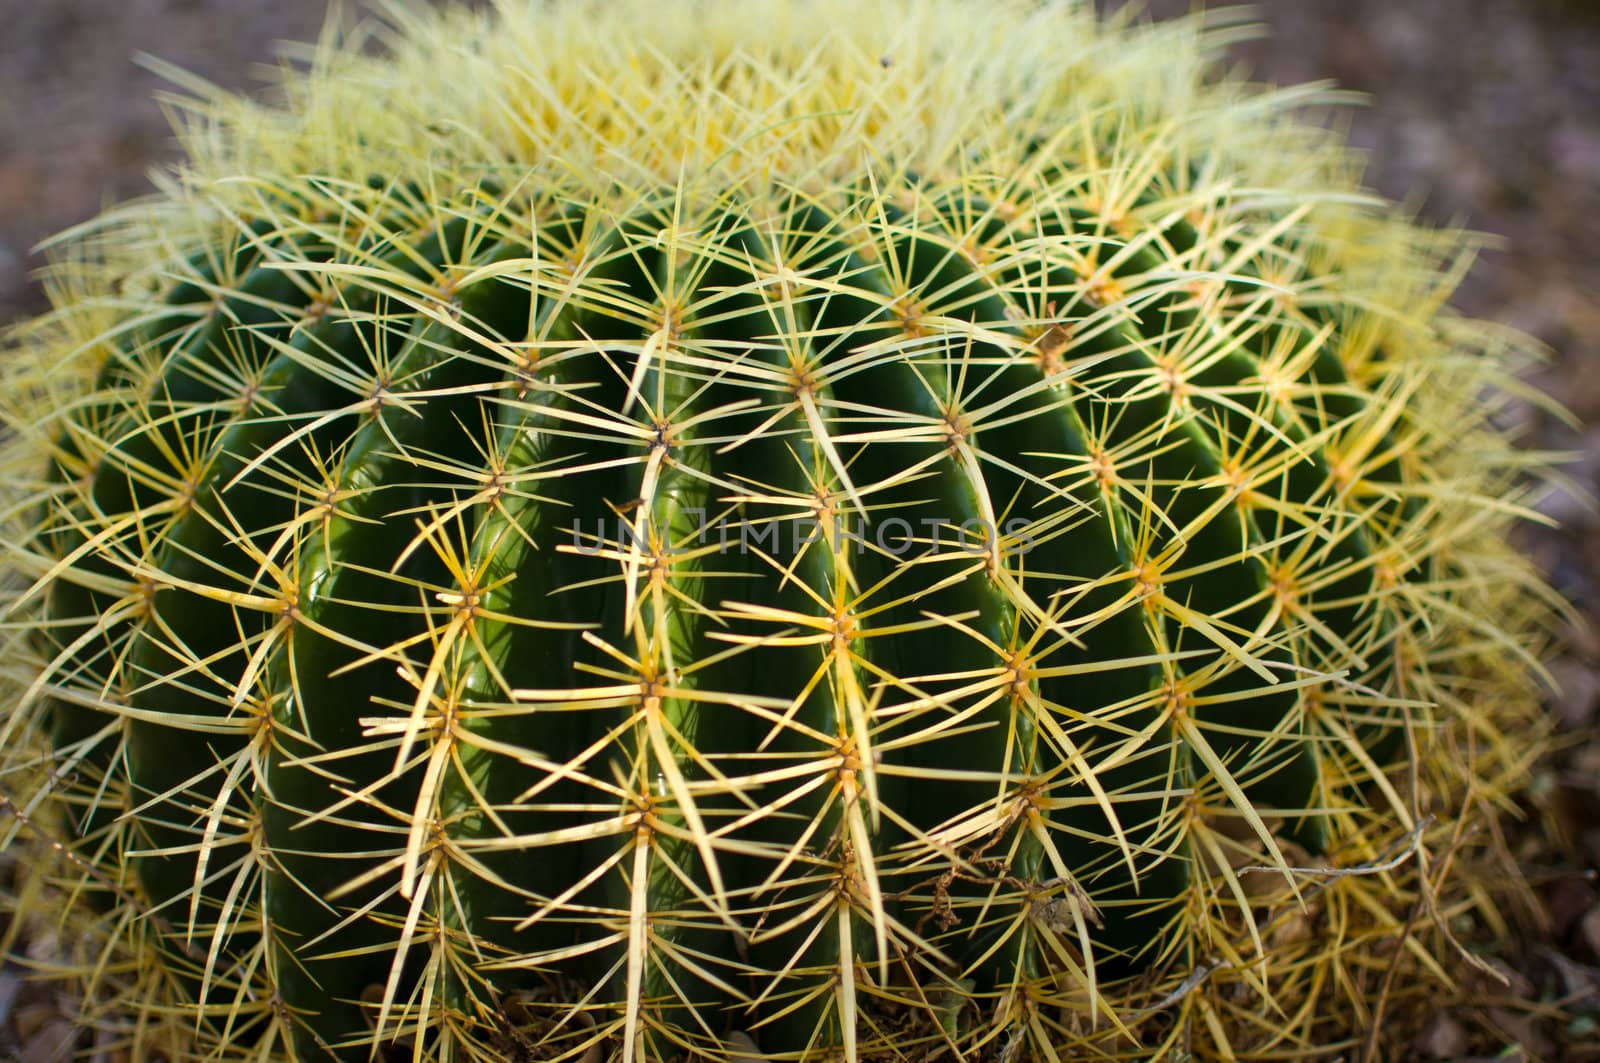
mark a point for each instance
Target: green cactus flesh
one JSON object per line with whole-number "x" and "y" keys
{"x": 790, "y": 618}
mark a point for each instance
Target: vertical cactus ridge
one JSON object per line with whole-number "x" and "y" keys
{"x": 919, "y": 529}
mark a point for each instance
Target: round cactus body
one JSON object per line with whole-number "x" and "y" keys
{"x": 757, "y": 531}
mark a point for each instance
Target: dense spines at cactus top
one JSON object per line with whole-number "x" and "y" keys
{"x": 853, "y": 532}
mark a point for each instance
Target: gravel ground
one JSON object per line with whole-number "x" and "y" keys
{"x": 1484, "y": 113}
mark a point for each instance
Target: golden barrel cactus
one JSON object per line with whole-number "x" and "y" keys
{"x": 763, "y": 530}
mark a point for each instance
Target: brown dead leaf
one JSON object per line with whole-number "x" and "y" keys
{"x": 1442, "y": 1038}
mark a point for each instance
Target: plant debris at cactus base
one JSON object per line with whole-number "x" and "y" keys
{"x": 761, "y": 531}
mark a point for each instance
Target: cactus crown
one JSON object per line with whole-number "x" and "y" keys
{"x": 924, "y": 526}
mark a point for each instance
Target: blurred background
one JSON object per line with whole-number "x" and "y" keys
{"x": 1481, "y": 113}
